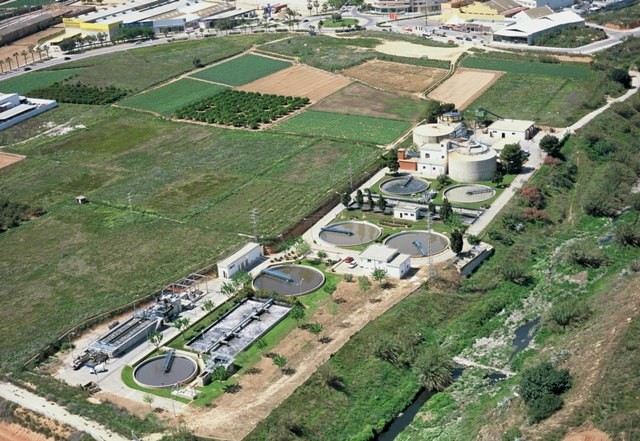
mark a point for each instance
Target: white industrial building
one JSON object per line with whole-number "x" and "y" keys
{"x": 516, "y": 129}
{"x": 406, "y": 211}
{"x": 242, "y": 260}
{"x": 396, "y": 264}
{"x": 433, "y": 140}
{"x": 15, "y": 108}
{"x": 526, "y": 31}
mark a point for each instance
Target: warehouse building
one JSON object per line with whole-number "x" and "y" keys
{"x": 515, "y": 129}
{"x": 526, "y": 31}
{"x": 15, "y": 109}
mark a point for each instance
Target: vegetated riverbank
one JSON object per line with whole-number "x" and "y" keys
{"x": 538, "y": 264}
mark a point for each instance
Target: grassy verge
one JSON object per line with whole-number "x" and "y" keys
{"x": 127, "y": 378}
{"x": 571, "y": 37}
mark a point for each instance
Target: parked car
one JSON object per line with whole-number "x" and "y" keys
{"x": 26, "y": 69}
{"x": 353, "y": 264}
{"x": 349, "y": 259}
{"x": 67, "y": 58}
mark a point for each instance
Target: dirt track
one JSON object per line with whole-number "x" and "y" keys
{"x": 6, "y": 159}
{"x": 299, "y": 80}
{"x": 395, "y": 77}
{"x": 236, "y": 415}
{"x": 465, "y": 86}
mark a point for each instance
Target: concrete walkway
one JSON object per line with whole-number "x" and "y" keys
{"x": 56, "y": 412}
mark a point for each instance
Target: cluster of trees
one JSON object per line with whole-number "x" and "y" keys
{"x": 359, "y": 199}
{"x": 435, "y": 109}
{"x": 13, "y": 214}
{"x": 78, "y": 93}
{"x": 512, "y": 158}
{"x": 241, "y": 109}
{"x": 78, "y": 42}
{"x": 541, "y": 387}
{"x": 135, "y": 33}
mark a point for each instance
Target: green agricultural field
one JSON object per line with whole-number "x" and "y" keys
{"x": 343, "y": 126}
{"x": 559, "y": 102}
{"x": 337, "y": 53}
{"x": 242, "y": 70}
{"x": 170, "y": 97}
{"x": 575, "y": 71}
{"x": 23, "y": 84}
{"x": 140, "y": 68}
{"x": 192, "y": 188}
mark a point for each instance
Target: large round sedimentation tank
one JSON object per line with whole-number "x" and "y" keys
{"x": 472, "y": 164}
{"x": 432, "y": 133}
{"x": 289, "y": 280}
{"x": 404, "y": 185}
{"x": 349, "y": 233}
{"x": 158, "y": 373}
{"x": 416, "y": 242}
{"x": 469, "y": 193}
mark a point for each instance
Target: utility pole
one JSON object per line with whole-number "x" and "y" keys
{"x": 350, "y": 176}
{"x": 431, "y": 272}
{"x": 254, "y": 222}
{"x": 130, "y": 206}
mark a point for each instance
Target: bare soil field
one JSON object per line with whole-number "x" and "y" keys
{"x": 299, "y": 80}
{"x": 359, "y": 99}
{"x": 26, "y": 44}
{"x": 233, "y": 416}
{"x": 587, "y": 435}
{"x": 14, "y": 432}
{"x": 465, "y": 86}
{"x": 6, "y": 159}
{"x": 395, "y": 77}
{"x": 405, "y": 49}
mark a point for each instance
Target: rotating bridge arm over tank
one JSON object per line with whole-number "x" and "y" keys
{"x": 168, "y": 361}
{"x": 420, "y": 247}
{"x": 337, "y": 230}
{"x": 279, "y": 275}
{"x": 407, "y": 182}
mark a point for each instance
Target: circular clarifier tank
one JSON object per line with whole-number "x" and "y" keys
{"x": 289, "y": 280}
{"x": 416, "y": 243}
{"x": 349, "y": 233}
{"x": 404, "y": 185}
{"x": 469, "y": 193}
{"x": 158, "y": 373}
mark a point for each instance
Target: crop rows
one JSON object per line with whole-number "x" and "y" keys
{"x": 241, "y": 109}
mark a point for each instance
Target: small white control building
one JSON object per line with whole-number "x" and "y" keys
{"x": 242, "y": 260}
{"x": 520, "y": 130}
{"x": 376, "y": 256}
{"x": 406, "y": 211}
{"x": 15, "y": 108}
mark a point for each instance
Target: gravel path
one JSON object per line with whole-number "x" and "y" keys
{"x": 56, "y": 412}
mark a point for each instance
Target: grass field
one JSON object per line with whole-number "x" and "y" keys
{"x": 575, "y": 71}
{"x": 35, "y": 80}
{"x": 170, "y": 97}
{"x": 345, "y": 126}
{"x": 340, "y": 23}
{"x": 140, "y": 68}
{"x": 559, "y": 103}
{"x": 192, "y": 189}
{"x": 571, "y": 37}
{"x": 242, "y": 70}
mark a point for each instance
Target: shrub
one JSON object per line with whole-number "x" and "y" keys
{"x": 347, "y": 277}
{"x": 542, "y": 380}
{"x": 535, "y": 215}
{"x": 585, "y": 254}
{"x": 544, "y": 407}
{"x": 569, "y": 312}
{"x": 531, "y": 196}
{"x": 473, "y": 239}
{"x": 627, "y": 235}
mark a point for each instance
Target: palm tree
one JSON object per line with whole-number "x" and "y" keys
{"x": 316, "y": 4}
{"x": 24, "y": 54}
{"x": 15, "y": 54}
{"x": 31, "y": 49}
{"x": 435, "y": 369}
{"x": 325, "y": 7}
{"x": 8, "y": 60}
{"x": 2, "y": 65}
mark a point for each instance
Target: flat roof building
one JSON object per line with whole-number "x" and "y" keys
{"x": 375, "y": 256}
{"x": 526, "y": 31}
{"x": 516, "y": 129}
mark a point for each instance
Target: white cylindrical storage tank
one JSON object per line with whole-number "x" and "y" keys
{"x": 472, "y": 164}
{"x": 432, "y": 133}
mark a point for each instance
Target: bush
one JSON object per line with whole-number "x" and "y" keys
{"x": 569, "y": 312}
{"x": 542, "y": 380}
{"x": 544, "y": 407}
{"x": 535, "y": 215}
{"x": 621, "y": 76}
{"x": 530, "y": 195}
{"x": 627, "y": 235}
{"x": 78, "y": 93}
{"x": 585, "y": 254}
